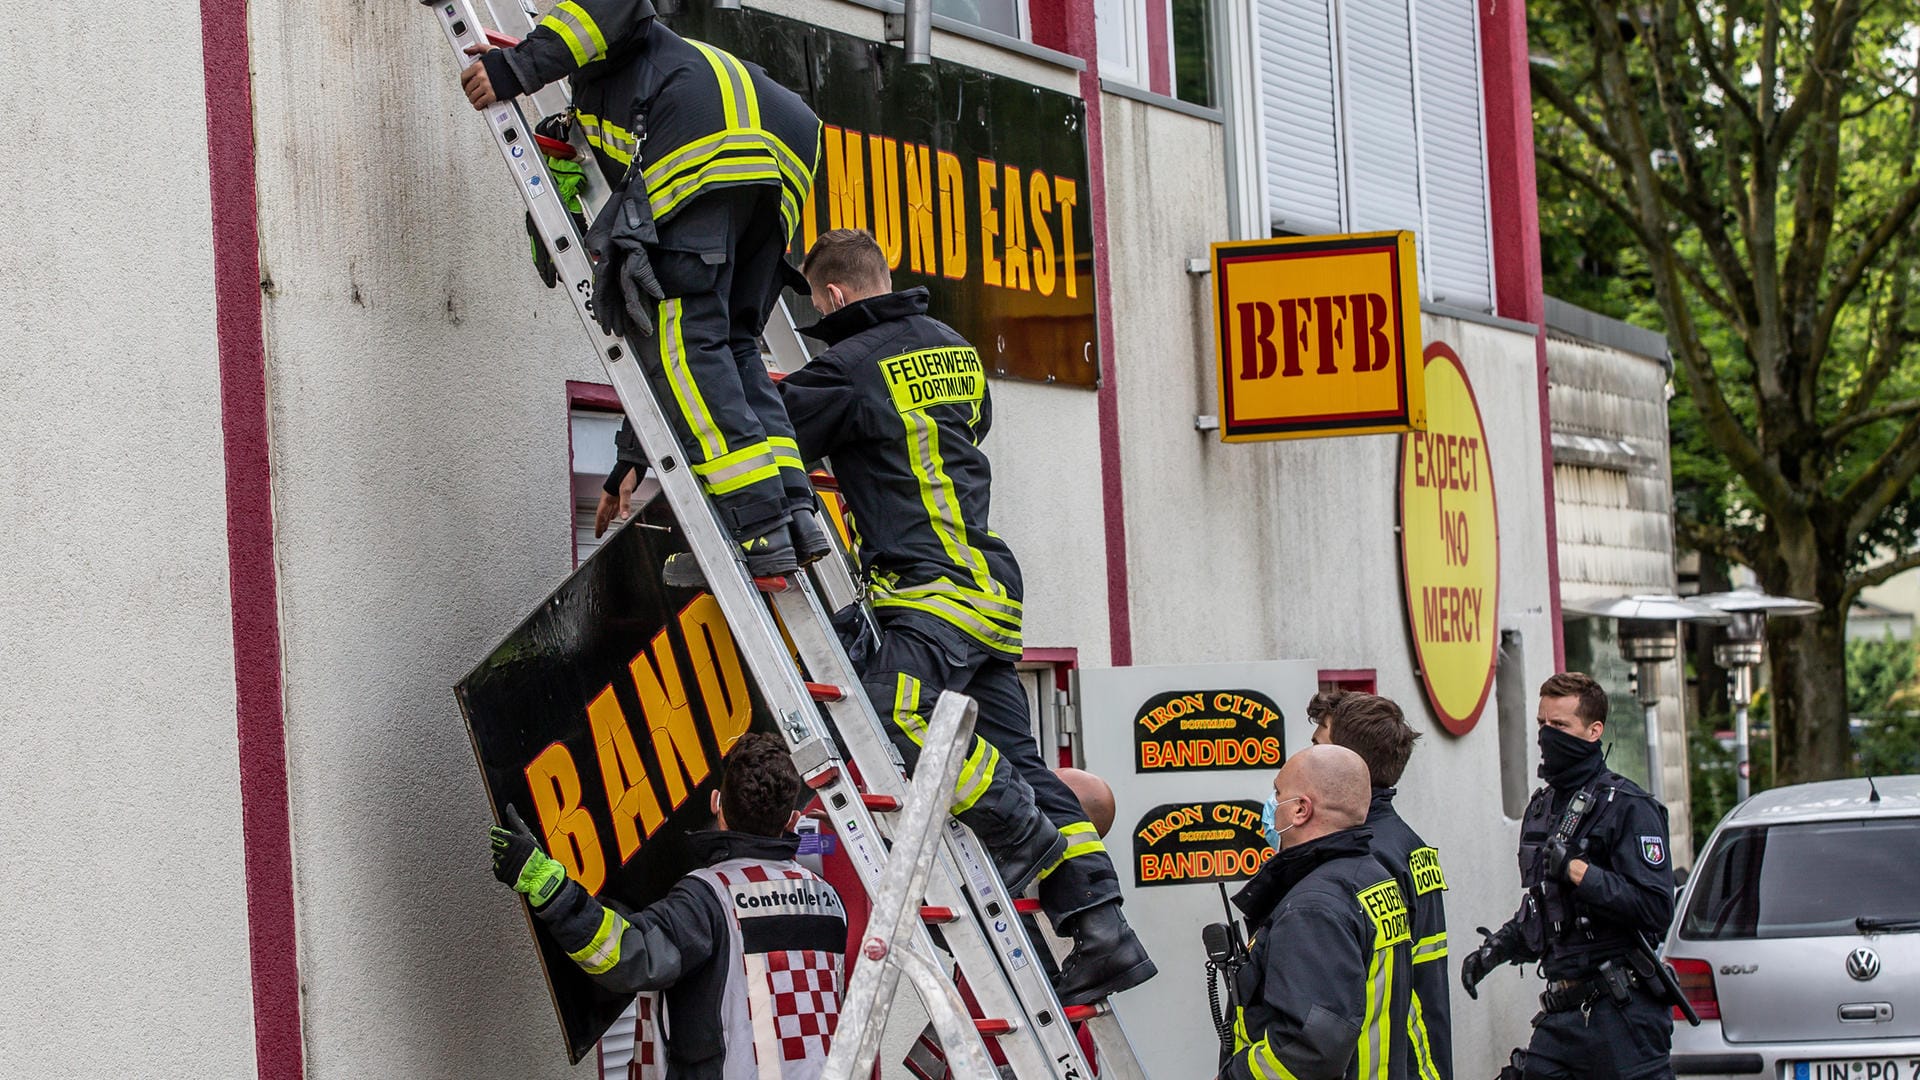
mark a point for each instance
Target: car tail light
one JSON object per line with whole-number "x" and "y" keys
{"x": 1696, "y": 981}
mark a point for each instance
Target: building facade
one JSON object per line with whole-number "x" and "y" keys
{"x": 348, "y": 419}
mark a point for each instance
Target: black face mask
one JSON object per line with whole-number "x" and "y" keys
{"x": 1562, "y": 754}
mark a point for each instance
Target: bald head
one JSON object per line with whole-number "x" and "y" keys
{"x": 1322, "y": 789}
{"x": 1096, "y": 797}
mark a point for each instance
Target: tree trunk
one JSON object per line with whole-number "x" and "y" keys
{"x": 1807, "y": 662}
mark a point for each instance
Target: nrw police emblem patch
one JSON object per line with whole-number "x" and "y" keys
{"x": 1653, "y": 849}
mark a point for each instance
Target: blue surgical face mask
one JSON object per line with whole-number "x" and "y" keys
{"x": 1267, "y": 813}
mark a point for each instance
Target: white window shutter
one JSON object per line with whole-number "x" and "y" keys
{"x": 1459, "y": 254}
{"x": 1299, "y": 107}
{"x": 1383, "y": 160}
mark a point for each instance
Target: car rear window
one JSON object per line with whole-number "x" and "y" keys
{"x": 1806, "y": 880}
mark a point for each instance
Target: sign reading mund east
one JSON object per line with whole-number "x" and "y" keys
{"x": 1208, "y": 729}
{"x": 604, "y": 717}
{"x": 1318, "y": 335}
{"x": 1198, "y": 842}
{"x": 1450, "y": 546}
{"x": 974, "y": 184}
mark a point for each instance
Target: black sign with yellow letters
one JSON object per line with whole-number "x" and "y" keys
{"x": 1208, "y": 729}
{"x": 974, "y": 184}
{"x": 1197, "y": 842}
{"x": 604, "y": 717}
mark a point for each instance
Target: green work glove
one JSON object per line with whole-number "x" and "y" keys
{"x": 568, "y": 180}
{"x": 519, "y": 862}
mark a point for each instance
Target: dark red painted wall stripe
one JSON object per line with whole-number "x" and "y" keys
{"x": 1159, "y": 51}
{"x": 1067, "y": 26}
{"x": 265, "y": 826}
{"x": 1514, "y": 201}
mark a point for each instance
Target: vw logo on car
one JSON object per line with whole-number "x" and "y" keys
{"x": 1863, "y": 964}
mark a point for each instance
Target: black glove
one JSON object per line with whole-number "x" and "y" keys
{"x": 1479, "y": 962}
{"x": 542, "y": 261}
{"x": 624, "y": 287}
{"x": 519, "y": 862}
{"x": 1557, "y": 856}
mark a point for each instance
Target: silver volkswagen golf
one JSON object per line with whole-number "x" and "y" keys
{"x": 1798, "y": 937}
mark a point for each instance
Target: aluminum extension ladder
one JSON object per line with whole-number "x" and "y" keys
{"x": 963, "y": 893}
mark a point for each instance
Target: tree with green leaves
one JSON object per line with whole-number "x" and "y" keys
{"x": 1743, "y": 171}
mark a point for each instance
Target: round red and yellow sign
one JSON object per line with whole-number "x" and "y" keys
{"x": 1450, "y": 546}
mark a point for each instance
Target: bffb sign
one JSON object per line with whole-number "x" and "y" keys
{"x": 1450, "y": 546}
{"x": 605, "y": 718}
{"x": 1318, "y": 335}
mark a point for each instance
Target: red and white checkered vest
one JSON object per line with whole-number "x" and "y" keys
{"x": 788, "y": 939}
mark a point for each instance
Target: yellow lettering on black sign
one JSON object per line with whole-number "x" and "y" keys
{"x": 921, "y": 380}
{"x": 1425, "y": 864}
{"x": 1388, "y": 911}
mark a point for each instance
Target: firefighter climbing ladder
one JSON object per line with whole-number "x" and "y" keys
{"x": 963, "y": 893}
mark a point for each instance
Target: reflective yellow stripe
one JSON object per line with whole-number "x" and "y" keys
{"x": 942, "y": 502}
{"x": 740, "y": 469}
{"x": 786, "y": 453}
{"x": 585, "y": 22}
{"x": 1374, "y": 1044}
{"x": 1087, "y": 843}
{"x": 575, "y": 46}
{"x": 1000, "y": 608}
{"x": 906, "y": 709}
{"x": 976, "y": 777}
{"x": 693, "y": 407}
{"x": 723, "y": 171}
{"x": 961, "y": 619}
{"x": 599, "y": 955}
{"x": 1422, "y": 1045}
{"x": 1261, "y": 1061}
{"x": 729, "y": 102}
{"x": 1430, "y": 948}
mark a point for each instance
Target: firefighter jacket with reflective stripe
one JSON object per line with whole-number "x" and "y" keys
{"x": 899, "y": 401}
{"x": 1325, "y": 994}
{"x": 685, "y": 116}
{"x": 749, "y": 951}
{"x": 1626, "y": 893}
{"x": 1416, "y": 866}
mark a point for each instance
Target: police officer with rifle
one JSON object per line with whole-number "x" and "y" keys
{"x": 1599, "y": 886}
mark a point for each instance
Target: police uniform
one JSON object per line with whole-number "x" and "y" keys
{"x": 1324, "y": 994}
{"x": 1604, "y": 1013}
{"x": 748, "y": 949}
{"x": 899, "y": 401}
{"x": 1416, "y": 866}
{"x": 726, "y": 157}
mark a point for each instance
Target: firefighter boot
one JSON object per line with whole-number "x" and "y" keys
{"x": 770, "y": 554}
{"x": 1021, "y": 862}
{"x": 1106, "y": 959}
{"x": 810, "y": 543}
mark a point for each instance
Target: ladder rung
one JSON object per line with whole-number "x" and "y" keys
{"x": 883, "y": 804}
{"x": 824, "y": 777}
{"x": 1026, "y": 906}
{"x": 1077, "y": 1013}
{"x": 826, "y": 691}
{"x": 932, "y": 914}
{"x": 504, "y": 41}
{"x": 555, "y": 148}
{"x": 824, "y": 481}
{"x": 994, "y": 1027}
{"x": 773, "y": 584}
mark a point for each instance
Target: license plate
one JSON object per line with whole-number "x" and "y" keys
{"x": 1856, "y": 1069}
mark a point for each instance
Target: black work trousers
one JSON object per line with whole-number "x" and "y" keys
{"x": 719, "y": 261}
{"x": 1005, "y": 788}
{"x": 1630, "y": 1041}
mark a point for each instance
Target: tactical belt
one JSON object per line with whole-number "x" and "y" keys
{"x": 1565, "y": 995}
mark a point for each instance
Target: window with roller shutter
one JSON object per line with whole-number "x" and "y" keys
{"x": 1372, "y": 120}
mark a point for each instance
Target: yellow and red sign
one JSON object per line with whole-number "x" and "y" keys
{"x": 1450, "y": 545}
{"x": 1318, "y": 335}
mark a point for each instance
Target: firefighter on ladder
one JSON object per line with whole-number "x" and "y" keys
{"x": 749, "y": 949}
{"x": 899, "y": 401}
{"x": 711, "y": 162}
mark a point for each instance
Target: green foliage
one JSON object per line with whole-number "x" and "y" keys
{"x": 1712, "y": 790}
{"x": 1884, "y": 701}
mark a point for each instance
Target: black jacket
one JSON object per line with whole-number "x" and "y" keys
{"x": 1627, "y": 891}
{"x": 899, "y": 401}
{"x": 1416, "y": 866}
{"x": 688, "y": 116}
{"x": 1325, "y": 995}
{"x": 691, "y": 946}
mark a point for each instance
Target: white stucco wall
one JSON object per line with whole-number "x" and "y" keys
{"x": 1287, "y": 550}
{"x": 122, "y": 862}
{"x": 417, "y": 372}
